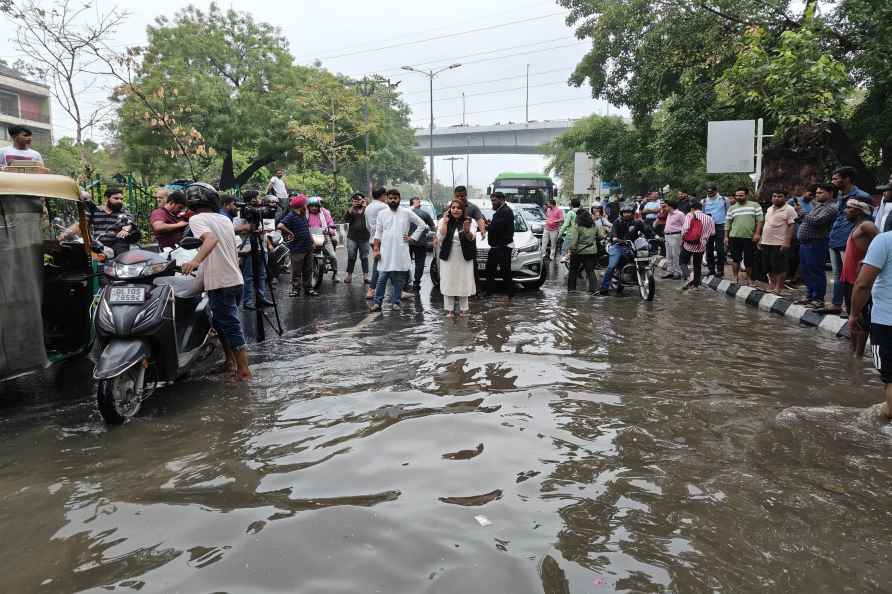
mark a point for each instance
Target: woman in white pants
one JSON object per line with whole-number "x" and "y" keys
{"x": 456, "y": 238}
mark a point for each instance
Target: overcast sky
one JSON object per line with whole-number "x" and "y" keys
{"x": 348, "y": 37}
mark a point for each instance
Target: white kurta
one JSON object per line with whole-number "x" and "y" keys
{"x": 456, "y": 273}
{"x": 391, "y": 229}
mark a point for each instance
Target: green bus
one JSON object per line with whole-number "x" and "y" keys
{"x": 524, "y": 188}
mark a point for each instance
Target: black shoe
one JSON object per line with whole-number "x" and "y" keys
{"x": 665, "y": 276}
{"x": 264, "y": 302}
{"x": 313, "y": 293}
{"x": 602, "y": 292}
{"x": 294, "y": 293}
{"x": 416, "y": 288}
{"x": 249, "y": 305}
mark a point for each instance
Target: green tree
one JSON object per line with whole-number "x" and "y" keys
{"x": 207, "y": 84}
{"x": 793, "y": 83}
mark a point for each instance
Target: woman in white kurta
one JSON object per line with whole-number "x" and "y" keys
{"x": 456, "y": 273}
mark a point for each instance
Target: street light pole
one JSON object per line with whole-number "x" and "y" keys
{"x": 431, "y": 74}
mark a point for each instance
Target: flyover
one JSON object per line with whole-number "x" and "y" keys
{"x": 500, "y": 139}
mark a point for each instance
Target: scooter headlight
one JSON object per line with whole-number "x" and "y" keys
{"x": 124, "y": 271}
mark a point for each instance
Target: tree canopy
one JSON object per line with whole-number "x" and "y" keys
{"x": 685, "y": 62}
{"x": 217, "y": 95}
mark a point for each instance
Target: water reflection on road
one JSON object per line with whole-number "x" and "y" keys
{"x": 688, "y": 445}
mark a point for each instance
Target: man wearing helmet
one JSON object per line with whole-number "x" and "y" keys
{"x": 625, "y": 228}
{"x": 320, "y": 218}
{"x": 218, "y": 268}
{"x": 296, "y": 232}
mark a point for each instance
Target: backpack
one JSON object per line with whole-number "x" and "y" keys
{"x": 695, "y": 230}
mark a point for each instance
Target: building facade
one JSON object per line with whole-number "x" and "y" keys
{"x": 26, "y": 103}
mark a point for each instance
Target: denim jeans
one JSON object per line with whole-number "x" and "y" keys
{"x": 224, "y": 304}
{"x": 811, "y": 267}
{"x": 836, "y": 262}
{"x": 715, "y": 251}
{"x": 362, "y": 248}
{"x": 248, "y": 272}
{"x": 397, "y": 280}
{"x": 615, "y": 252}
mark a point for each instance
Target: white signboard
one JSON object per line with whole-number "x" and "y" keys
{"x": 583, "y": 173}
{"x": 729, "y": 146}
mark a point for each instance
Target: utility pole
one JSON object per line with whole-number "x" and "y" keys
{"x": 431, "y": 74}
{"x": 334, "y": 156}
{"x": 367, "y": 87}
{"x": 452, "y": 161}
{"x": 464, "y": 122}
{"x": 528, "y": 94}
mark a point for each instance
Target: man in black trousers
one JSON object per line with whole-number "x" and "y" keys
{"x": 500, "y": 234}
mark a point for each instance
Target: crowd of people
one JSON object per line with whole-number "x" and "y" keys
{"x": 779, "y": 244}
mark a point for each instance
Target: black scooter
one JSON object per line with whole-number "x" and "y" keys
{"x": 150, "y": 326}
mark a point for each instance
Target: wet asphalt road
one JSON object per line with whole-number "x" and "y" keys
{"x": 692, "y": 444}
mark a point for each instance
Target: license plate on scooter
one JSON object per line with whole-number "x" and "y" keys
{"x": 127, "y": 295}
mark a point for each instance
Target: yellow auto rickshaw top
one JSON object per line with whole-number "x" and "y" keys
{"x": 42, "y": 185}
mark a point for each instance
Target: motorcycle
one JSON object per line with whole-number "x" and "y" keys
{"x": 151, "y": 325}
{"x": 321, "y": 265}
{"x": 636, "y": 267}
{"x": 277, "y": 254}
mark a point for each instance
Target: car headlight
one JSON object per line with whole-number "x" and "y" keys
{"x": 528, "y": 249}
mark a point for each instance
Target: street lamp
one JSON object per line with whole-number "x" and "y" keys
{"x": 431, "y": 74}
{"x": 452, "y": 161}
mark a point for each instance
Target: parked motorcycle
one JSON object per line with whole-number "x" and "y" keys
{"x": 277, "y": 254}
{"x": 151, "y": 325}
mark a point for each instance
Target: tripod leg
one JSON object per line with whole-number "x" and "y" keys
{"x": 272, "y": 297}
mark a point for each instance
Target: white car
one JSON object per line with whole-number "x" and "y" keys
{"x": 527, "y": 266}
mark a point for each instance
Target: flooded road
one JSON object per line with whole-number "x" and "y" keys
{"x": 549, "y": 444}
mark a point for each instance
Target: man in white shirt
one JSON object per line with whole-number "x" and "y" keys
{"x": 276, "y": 186}
{"x": 379, "y": 203}
{"x": 391, "y": 247}
{"x": 21, "y": 147}
{"x": 217, "y": 264}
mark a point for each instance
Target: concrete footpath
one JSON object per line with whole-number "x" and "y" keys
{"x": 769, "y": 302}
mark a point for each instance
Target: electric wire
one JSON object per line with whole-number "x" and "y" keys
{"x": 440, "y": 37}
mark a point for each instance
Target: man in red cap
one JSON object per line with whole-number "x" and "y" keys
{"x": 296, "y": 231}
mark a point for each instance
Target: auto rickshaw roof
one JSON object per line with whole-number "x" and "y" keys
{"x": 43, "y": 185}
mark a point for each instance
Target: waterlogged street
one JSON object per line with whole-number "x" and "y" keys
{"x": 551, "y": 444}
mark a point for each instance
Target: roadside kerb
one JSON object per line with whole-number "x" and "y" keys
{"x": 771, "y": 303}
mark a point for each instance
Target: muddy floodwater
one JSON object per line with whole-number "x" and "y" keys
{"x": 551, "y": 444}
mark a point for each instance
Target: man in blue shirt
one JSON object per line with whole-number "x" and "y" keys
{"x": 716, "y": 206}
{"x": 844, "y": 181}
{"x": 296, "y": 231}
{"x": 875, "y": 280}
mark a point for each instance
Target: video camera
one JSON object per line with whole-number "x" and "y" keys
{"x": 254, "y": 213}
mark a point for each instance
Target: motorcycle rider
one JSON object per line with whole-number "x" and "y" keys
{"x": 218, "y": 266}
{"x": 320, "y": 218}
{"x": 626, "y": 228}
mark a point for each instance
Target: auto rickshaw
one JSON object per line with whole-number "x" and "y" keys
{"x": 48, "y": 287}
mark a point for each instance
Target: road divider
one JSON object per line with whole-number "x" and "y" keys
{"x": 775, "y": 304}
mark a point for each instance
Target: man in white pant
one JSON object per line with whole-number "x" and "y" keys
{"x": 672, "y": 237}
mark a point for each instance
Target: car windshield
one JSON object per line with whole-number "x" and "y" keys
{"x": 532, "y": 214}
{"x": 520, "y": 225}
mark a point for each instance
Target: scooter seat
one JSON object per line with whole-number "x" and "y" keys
{"x": 184, "y": 287}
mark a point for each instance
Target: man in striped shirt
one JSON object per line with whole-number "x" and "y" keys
{"x": 743, "y": 231}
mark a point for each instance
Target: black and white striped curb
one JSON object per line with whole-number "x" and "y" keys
{"x": 769, "y": 302}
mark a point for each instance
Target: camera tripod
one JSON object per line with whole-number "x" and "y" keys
{"x": 258, "y": 258}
